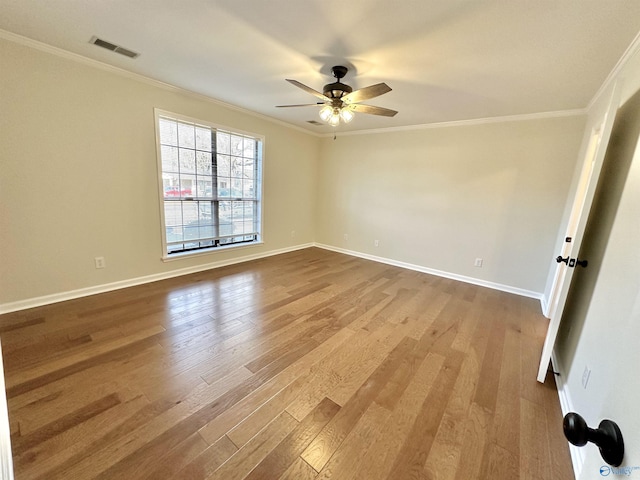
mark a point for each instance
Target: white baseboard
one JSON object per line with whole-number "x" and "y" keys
{"x": 439, "y": 273}
{"x": 108, "y": 287}
{"x": 577, "y": 454}
{"x": 84, "y": 292}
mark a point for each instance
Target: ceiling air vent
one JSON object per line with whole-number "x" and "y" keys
{"x": 113, "y": 47}
{"x": 313, "y": 122}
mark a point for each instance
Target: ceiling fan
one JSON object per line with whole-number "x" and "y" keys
{"x": 341, "y": 101}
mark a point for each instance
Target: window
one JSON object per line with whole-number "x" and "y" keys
{"x": 211, "y": 184}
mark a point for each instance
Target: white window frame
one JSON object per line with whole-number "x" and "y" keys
{"x": 166, "y": 256}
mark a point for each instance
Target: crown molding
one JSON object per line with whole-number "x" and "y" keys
{"x": 466, "y": 123}
{"x": 59, "y": 52}
{"x": 631, "y": 50}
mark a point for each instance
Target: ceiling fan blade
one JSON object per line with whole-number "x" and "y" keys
{"x": 301, "y": 105}
{"x": 372, "y": 110}
{"x": 366, "y": 93}
{"x": 310, "y": 90}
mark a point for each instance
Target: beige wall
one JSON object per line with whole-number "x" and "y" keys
{"x": 79, "y": 180}
{"x": 79, "y": 177}
{"x": 441, "y": 197}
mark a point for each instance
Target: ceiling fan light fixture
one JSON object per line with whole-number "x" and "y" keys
{"x": 326, "y": 112}
{"x": 332, "y": 115}
{"x": 346, "y": 114}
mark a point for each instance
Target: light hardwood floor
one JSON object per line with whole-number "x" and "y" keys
{"x": 307, "y": 365}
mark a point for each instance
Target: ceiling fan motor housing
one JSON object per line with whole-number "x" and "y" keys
{"x": 337, "y": 90}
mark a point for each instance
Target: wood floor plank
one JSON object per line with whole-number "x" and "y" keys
{"x": 506, "y": 424}
{"x": 240, "y": 465}
{"x": 297, "y": 372}
{"x": 280, "y": 458}
{"x": 325, "y": 444}
{"x": 306, "y": 365}
{"x": 299, "y": 470}
{"x": 169, "y": 465}
{"x": 355, "y": 368}
{"x": 475, "y": 438}
{"x": 379, "y": 459}
{"x": 50, "y": 459}
{"x": 326, "y": 375}
{"x": 266, "y": 412}
{"x": 24, "y": 381}
{"x": 208, "y": 461}
{"x": 22, "y": 443}
{"x": 346, "y": 462}
{"x": 534, "y": 452}
{"x": 487, "y": 391}
{"x": 416, "y": 447}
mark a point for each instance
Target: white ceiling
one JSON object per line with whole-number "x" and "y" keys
{"x": 446, "y": 60}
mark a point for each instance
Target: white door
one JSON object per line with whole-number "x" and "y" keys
{"x": 567, "y": 260}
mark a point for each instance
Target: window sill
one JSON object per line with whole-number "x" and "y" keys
{"x": 209, "y": 251}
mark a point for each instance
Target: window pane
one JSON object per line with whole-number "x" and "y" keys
{"x": 247, "y": 187}
{"x": 249, "y": 168}
{"x": 236, "y": 145}
{"x": 237, "y": 209}
{"x": 206, "y": 231}
{"x": 224, "y": 166}
{"x": 172, "y": 214}
{"x": 186, "y": 135}
{"x": 191, "y": 231}
{"x": 203, "y": 163}
{"x": 248, "y": 210}
{"x": 187, "y": 185}
{"x": 224, "y": 218}
{"x": 236, "y": 167}
{"x": 223, "y": 142}
{"x": 168, "y": 132}
{"x": 223, "y": 188}
{"x": 204, "y": 188}
{"x": 226, "y": 229}
{"x": 174, "y": 234}
{"x": 169, "y": 157}
{"x": 187, "y": 161}
{"x": 249, "y": 150}
{"x": 189, "y": 212}
{"x": 203, "y": 139}
{"x": 205, "y": 213}
{"x": 171, "y": 183}
{"x": 236, "y": 188}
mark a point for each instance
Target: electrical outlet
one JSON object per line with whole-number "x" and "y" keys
{"x": 585, "y": 376}
{"x": 100, "y": 263}
{"x": 376, "y": 243}
{"x": 478, "y": 262}
{"x": 346, "y": 236}
{"x": 293, "y": 234}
